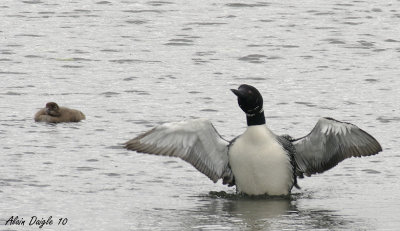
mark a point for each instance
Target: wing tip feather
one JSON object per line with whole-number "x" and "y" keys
{"x": 185, "y": 140}
{"x": 358, "y": 144}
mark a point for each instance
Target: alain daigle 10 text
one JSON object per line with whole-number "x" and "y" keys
{"x": 35, "y": 221}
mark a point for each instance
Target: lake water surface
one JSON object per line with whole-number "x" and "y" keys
{"x": 130, "y": 65}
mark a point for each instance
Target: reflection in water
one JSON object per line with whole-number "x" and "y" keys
{"x": 260, "y": 214}
{"x": 257, "y": 213}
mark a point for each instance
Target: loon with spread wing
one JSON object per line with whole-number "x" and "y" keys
{"x": 258, "y": 161}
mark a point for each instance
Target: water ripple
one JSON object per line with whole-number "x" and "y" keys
{"x": 385, "y": 119}
{"x": 85, "y": 169}
{"x": 243, "y": 5}
{"x": 137, "y": 22}
{"x": 254, "y": 58}
{"x": 371, "y": 171}
{"x": 104, "y": 3}
{"x": 33, "y": 2}
{"x": 159, "y": 3}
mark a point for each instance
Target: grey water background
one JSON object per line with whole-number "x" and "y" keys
{"x": 130, "y": 65}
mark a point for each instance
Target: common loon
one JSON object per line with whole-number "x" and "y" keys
{"x": 258, "y": 161}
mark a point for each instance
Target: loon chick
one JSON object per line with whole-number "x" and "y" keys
{"x": 258, "y": 161}
{"x": 52, "y": 113}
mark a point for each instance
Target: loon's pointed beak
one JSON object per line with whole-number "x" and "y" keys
{"x": 238, "y": 93}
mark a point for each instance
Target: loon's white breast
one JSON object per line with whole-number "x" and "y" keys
{"x": 260, "y": 164}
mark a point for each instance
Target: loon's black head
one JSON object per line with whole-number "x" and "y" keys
{"x": 249, "y": 99}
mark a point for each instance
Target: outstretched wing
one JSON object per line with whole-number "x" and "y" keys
{"x": 329, "y": 143}
{"x": 195, "y": 141}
